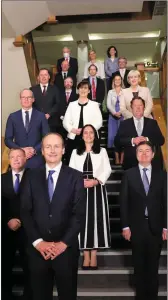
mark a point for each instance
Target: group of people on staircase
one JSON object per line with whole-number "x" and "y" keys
{"x": 48, "y": 205}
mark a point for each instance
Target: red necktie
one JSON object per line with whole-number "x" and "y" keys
{"x": 93, "y": 89}
{"x": 67, "y": 96}
{"x": 44, "y": 90}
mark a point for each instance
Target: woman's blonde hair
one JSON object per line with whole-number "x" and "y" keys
{"x": 113, "y": 84}
{"x": 134, "y": 73}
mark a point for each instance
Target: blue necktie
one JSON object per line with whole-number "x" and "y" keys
{"x": 50, "y": 184}
{"x": 117, "y": 105}
{"x": 146, "y": 186}
{"x": 17, "y": 183}
{"x": 27, "y": 121}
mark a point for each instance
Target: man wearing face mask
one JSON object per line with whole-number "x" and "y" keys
{"x": 73, "y": 63}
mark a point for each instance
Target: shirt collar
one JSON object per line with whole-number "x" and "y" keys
{"x": 29, "y": 110}
{"x": 68, "y": 90}
{"x": 141, "y": 119}
{"x": 21, "y": 172}
{"x": 42, "y": 85}
{"x": 122, "y": 70}
{"x": 56, "y": 169}
{"x": 149, "y": 167}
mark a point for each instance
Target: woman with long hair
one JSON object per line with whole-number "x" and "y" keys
{"x": 115, "y": 116}
{"x": 93, "y": 161}
{"x": 111, "y": 64}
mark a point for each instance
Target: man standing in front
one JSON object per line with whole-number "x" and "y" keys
{"x": 143, "y": 205}
{"x": 52, "y": 209}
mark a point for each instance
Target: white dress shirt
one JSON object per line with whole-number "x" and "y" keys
{"x": 122, "y": 72}
{"x": 55, "y": 178}
{"x": 64, "y": 73}
{"x": 148, "y": 174}
{"x": 42, "y": 86}
{"x": 136, "y": 124}
{"x": 14, "y": 177}
{"x": 24, "y": 115}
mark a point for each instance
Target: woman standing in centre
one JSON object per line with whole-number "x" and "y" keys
{"x": 93, "y": 161}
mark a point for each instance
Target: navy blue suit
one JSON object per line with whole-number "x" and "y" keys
{"x": 16, "y": 135}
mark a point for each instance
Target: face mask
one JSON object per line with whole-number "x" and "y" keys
{"x": 66, "y": 55}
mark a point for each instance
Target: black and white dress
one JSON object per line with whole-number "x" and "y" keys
{"x": 96, "y": 231}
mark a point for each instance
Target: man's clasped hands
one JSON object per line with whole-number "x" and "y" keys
{"x": 50, "y": 250}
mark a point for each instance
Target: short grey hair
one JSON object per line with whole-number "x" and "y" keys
{"x": 26, "y": 89}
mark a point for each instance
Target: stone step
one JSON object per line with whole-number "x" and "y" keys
{"x": 101, "y": 293}
{"x": 113, "y": 185}
{"x": 103, "y": 278}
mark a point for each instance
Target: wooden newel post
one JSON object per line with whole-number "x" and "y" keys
{"x": 20, "y": 41}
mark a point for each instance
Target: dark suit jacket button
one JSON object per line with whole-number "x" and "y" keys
{"x": 50, "y": 216}
{"x": 49, "y": 231}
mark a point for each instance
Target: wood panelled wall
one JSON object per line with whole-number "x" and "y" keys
{"x": 163, "y": 83}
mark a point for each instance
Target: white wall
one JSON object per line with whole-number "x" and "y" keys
{"x": 15, "y": 77}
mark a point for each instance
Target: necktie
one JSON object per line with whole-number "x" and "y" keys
{"x": 44, "y": 90}
{"x": 17, "y": 183}
{"x": 27, "y": 121}
{"x": 117, "y": 105}
{"x": 122, "y": 73}
{"x": 65, "y": 76}
{"x": 50, "y": 184}
{"x": 67, "y": 96}
{"x": 146, "y": 186}
{"x": 93, "y": 89}
{"x": 139, "y": 127}
{"x": 81, "y": 123}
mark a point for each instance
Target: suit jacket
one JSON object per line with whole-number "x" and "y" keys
{"x": 59, "y": 81}
{"x": 60, "y": 219}
{"x": 100, "y": 90}
{"x": 16, "y": 135}
{"x": 63, "y": 103}
{"x": 126, "y": 84}
{"x": 127, "y": 96}
{"x": 73, "y": 65}
{"x": 100, "y": 162}
{"x": 133, "y": 201}
{"x": 48, "y": 103}
{"x": 10, "y": 200}
{"x": 91, "y": 115}
{"x": 127, "y": 131}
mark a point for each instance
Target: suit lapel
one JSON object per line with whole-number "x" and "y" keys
{"x": 44, "y": 186}
{"x": 33, "y": 115}
{"x": 10, "y": 184}
{"x": 59, "y": 184}
{"x": 133, "y": 128}
{"x": 138, "y": 182}
{"x": 154, "y": 181}
{"x": 144, "y": 127}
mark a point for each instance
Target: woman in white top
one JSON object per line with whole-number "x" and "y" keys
{"x": 79, "y": 113}
{"x": 97, "y": 63}
{"x": 93, "y": 161}
{"x": 134, "y": 78}
{"x": 115, "y": 116}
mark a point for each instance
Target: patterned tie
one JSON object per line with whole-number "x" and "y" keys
{"x": 117, "y": 105}
{"x": 44, "y": 90}
{"x": 67, "y": 96}
{"x": 50, "y": 184}
{"x": 146, "y": 186}
{"x": 17, "y": 183}
{"x": 27, "y": 121}
{"x": 93, "y": 89}
{"x": 139, "y": 127}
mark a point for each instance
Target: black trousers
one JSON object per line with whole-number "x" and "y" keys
{"x": 11, "y": 242}
{"x": 146, "y": 249}
{"x": 62, "y": 271}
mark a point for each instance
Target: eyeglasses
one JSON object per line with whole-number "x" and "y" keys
{"x": 28, "y": 98}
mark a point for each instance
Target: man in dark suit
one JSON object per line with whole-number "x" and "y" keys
{"x": 52, "y": 210}
{"x": 138, "y": 129}
{"x": 73, "y": 63}
{"x": 13, "y": 237}
{"x": 67, "y": 95}
{"x": 25, "y": 128}
{"x": 62, "y": 75}
{"x": 47, "y": 99}
{"x": 123, "y": 72}
{"x": 143, "y": 201}
{"x": 97, "y": 91}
